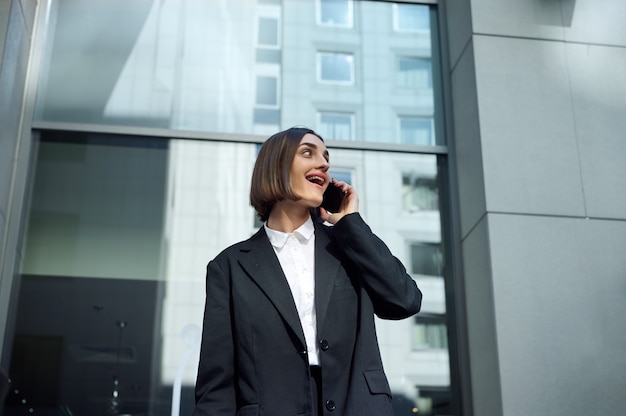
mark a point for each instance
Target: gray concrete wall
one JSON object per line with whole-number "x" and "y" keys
{"x": 16, "y": 29}
{"x": 539, "y": 117}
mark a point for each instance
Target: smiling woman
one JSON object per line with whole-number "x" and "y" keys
{"x": 308, "y": 176}
{"x": 272, "y": 175}
{"x": 289, "y": 313}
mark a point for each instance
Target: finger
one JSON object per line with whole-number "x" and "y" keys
{"x": 324, "y": 215}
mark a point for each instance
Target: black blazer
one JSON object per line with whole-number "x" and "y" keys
{"x": 253, "y": 359}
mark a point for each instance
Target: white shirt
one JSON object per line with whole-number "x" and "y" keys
{"x": 296, "y": 254}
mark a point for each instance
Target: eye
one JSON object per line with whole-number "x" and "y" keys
{"x": 307, "y": 152}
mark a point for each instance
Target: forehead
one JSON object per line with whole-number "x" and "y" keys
{"x": 314, "y": 140}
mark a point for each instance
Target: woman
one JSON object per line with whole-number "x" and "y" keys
{"x": 289, "y": 316}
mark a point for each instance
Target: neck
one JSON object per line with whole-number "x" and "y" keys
{"x": 286, "y": 218}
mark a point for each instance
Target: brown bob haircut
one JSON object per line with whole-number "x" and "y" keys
{"x": 270, "y": 177}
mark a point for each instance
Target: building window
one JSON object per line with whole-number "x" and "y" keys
{"x": 419, "y": 193}
{"x": 334, "y": 13}
{"x": 336, "y": 126}
{"x": 414, "y": 72}
{"x": 342, "y": 175}
{"x": 267, "y": 35}
{"x": 426, "y": 258}
{"x": 267, "y": 116}
{"x": 430, "y": 332}
{"x": 267, "y": 91}
{"x": 417, "y": 130}
{"x": 336, "y": 68}
{"x": 411, "y": 18}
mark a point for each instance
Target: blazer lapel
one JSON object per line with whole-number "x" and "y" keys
{"x": 262, "y": 265}
{"x": 326, "y": 267}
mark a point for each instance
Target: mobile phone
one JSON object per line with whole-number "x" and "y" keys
{"x": 333, "y": 197}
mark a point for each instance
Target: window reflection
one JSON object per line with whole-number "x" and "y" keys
{"x": 414, "y": 72}
{"x": 336, "y": 67}
{"x": 411, "y": 17}
{"x": 268, "y": 31}
{"x": 266, "y": 91}
{"x": 335, "y": 12}
{"x": 419, "y": 192}
{"x": 219, "y": 67}
{"x": 430, "y": 332}
{"x": 121, "y": 228}
{"x": 336, "y": 126}
{"x": 147, "y": 216}
{"x": 417, "y": 130}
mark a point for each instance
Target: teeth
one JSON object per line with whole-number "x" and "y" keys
{"x": 317, "y": 179}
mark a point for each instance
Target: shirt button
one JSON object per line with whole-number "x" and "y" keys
{"x": 324, "y": 345}
{"x": 330, "y": 405}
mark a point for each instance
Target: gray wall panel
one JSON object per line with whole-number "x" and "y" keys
{"x": 558, "y": 289}
{"x": 593, "y": 21}
{"x": 459, "y": 20}
{"x": 539, "y": 19}
{"x": 528, "y": 140}
{"x": 485, "y": 373}
{"x": 549, "y": 85}
{"x": 599, "y": 91}
{"x": 468, "y": 150}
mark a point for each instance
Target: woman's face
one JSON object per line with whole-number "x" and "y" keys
{"x": 309, "y": 176}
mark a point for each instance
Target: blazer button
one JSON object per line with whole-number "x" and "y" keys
{"x": 324, "y": 345}
{"x": 330, "y": 405}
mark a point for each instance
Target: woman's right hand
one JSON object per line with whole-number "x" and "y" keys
{"x": 349, "y": 205}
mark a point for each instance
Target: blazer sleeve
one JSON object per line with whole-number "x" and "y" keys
{"x": 215, "y": 390}
{"x": 394, "y": 294}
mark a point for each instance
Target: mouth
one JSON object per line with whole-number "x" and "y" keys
{"x": 316, "y": 179}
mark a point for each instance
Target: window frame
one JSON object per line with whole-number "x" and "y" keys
{"x": 430, "y": 118}
{"x": 349, "y": 115}
{"x": 396, "y": 21}
{"x": 257, "y": 104}
{"x": 417, "y": 86}
{"x": 258, "y": 42}
{"x": 319, "y": 68}
{"x": 318, "y": 15}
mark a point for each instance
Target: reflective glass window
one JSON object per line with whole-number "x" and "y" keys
{"x": 417, "y": 130}
{"x": 266, "y": 91}
{"x": 419, "y": 192}
{"x": 414, "y": 72}
{"x": 335, "y": 12}
{"x": 336, "y": 126}
{"x": 268, "y": 31}
{"x": 426, "y": 258}
{"x": 411, "y": 17}
{"x": 336, "y": 68}
{"x": 194, "y": 66}
{"x": 120, "y": 229}
{"x": 430, "y": 332}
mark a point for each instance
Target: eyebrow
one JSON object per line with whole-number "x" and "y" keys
{"x": 314, "y": 146}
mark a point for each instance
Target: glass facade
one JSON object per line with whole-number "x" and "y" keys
{"x": 121, "y": 226}
{"x": 240, "y": 67}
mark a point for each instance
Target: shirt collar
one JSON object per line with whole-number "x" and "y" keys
{"x": 302, "y": 233}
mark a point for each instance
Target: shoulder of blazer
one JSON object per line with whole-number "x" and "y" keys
{"x": 258, "y": 239}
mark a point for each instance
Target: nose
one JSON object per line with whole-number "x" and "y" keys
{"x": 324, "y": 165}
